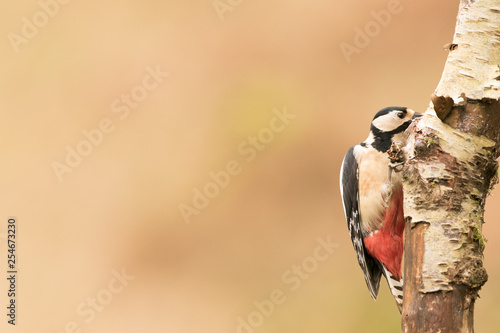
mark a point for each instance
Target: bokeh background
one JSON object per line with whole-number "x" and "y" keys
{"x": 118, "y": 210}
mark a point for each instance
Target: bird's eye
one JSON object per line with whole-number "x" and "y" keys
{"x": 401, "y": 115}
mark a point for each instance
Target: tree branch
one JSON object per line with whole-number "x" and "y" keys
{"x": 451, "y": 167}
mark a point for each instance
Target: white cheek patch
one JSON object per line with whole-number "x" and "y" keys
{"x": 387, "y": 122}
{"x": 391, "y": 121}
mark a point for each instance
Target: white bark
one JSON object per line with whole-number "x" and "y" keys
{"x": 450, "y": 169}
{"x": 473, "y": 67}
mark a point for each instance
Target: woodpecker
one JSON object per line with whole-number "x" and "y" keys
{"x": 372, "y": 196}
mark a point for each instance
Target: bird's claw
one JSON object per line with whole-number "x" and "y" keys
{"x": 397, "y": 167}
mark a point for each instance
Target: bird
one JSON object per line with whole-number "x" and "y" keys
{"x": 372, "y": 198}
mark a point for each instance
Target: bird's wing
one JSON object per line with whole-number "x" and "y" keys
{"x": 350, "y": 199}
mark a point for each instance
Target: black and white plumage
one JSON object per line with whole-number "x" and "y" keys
{"x": 372, "y": 197}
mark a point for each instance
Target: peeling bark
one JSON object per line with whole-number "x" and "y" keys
{"x": 451, "y": 166}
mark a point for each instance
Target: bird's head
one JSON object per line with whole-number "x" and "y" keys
{"x": 389, "y": 124}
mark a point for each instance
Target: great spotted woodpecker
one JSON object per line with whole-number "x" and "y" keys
{"x": 372, "y": 195}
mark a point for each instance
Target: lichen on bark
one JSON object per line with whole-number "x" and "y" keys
{"x": 446, "y": 186}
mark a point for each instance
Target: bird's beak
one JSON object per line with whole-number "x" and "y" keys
{"x": 417, "y": 115}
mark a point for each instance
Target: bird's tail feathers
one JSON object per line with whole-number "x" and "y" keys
{"x": 395, "y": 286}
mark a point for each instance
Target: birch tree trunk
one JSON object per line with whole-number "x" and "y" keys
{"x": 451, "y": 166}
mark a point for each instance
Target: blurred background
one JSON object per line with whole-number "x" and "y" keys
{"x": 173, "y": 166}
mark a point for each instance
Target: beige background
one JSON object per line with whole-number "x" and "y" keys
{"x": 119, "y": 208}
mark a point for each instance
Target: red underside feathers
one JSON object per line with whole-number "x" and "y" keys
{"x": 386, "y": 244}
